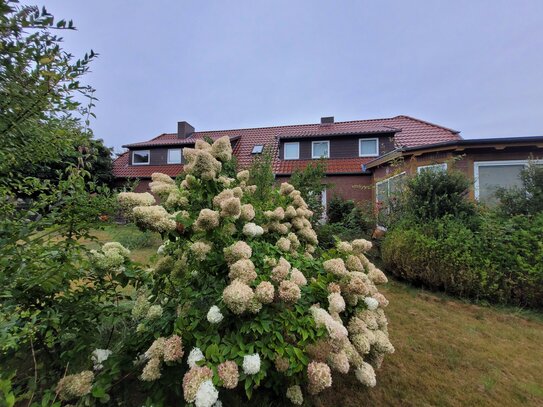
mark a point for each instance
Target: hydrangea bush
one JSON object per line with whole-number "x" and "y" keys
{"x": 243, "y": 297}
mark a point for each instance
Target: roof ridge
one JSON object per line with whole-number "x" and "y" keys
{"x": 428, "y": 123}
{"x": 292, "y": 125}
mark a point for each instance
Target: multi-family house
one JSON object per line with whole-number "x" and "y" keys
{"x": 358, "y": 154}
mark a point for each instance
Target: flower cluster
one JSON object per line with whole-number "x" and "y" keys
{"x": 200, "y": 250}
{"x": 154, "y": 218}
{"x": 238, "y": 296}
{"x": 111, "y": 258}
{"x": 252, "y": 230}
{"x": 294, "y": 394}
{"x": 214, "y": 315}
{"x": 229, "y": 374}
{"x": 75, "y": 386}
{"x": 129, "y": 200}
{"x": 161, "y": 184}
{"x": 207, "y": 220}
{"x": 193, "y": 379}
{"x": 319, "y": 377}
{"x": 99, "y": 356}
{"x": 162, "y": 349}
{"x": 251, "y": 364}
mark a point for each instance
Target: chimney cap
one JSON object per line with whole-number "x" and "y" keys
{"x": 327, "y": 120}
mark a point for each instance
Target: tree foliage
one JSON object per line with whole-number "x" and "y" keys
{"x": 310, "y": 182}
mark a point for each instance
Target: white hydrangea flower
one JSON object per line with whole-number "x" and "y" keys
{"x": 207, "y": 395}
{"x": 160, "y": 249}
{"x": 372, "y": 303}
{"x": 218, "y": 403}
{"x": 154, "y": 312}
{"x": 214, "y": 315}
{"x": 252, "y": 230}
{"x": 99, "y": 356}
{"x": 251, "y": 364}
{"x": 195, "y": 356}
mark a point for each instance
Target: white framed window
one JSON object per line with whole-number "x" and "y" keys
{"x": 368, "y": 147}
{"x": 489, "y": 176}
{"x": 292, "y": 151}
{"x": 141, "y": 157}
{"x": 388, "y": 187}
{"x": 441, "y": 167}
{"x": 320, "y": 149}
{"x": 175, "y": 156}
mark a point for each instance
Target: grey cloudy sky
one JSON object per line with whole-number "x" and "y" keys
{"x": 475, "y": 66}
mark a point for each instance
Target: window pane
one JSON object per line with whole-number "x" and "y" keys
{"x": 381, "y": 191}
{"x": 257, "y": 149}
{"x": 433, "y": 168}
{"x": 396, "y": 184}
{"x": 174, "y": 156}
{"x": 320, "y": 149}
{"x": 492, "y": 177}
{"x": 292, "y": 151}
{"x": 140, "y": 157}
{"x": 368, "y": 147}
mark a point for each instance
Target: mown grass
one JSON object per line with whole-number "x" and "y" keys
{"x": 448, "y": 352}
{"x": 143, "y": 245}
{"x": 452, "y": 353}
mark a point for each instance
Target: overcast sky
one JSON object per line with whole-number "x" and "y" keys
{"x": 474, "y": 66}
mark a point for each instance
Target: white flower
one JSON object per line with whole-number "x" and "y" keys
{"x": 206, "y": 395}
{"x": 214, "y": 315}
{"x": 99, "y": 356}
{"x": 252, "y": 230}
{"x": 195, "y": 355}
{"x": 218, "y": 403}
{"x": 251, "y": 364}
{"x": 155, "y": 311}
{"x": 160, "y": 249}
{"x": 372, "y": 303}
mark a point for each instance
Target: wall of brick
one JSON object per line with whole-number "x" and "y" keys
{"x": 357, "y": 187}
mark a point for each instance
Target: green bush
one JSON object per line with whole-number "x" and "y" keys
{"x": 500, "y": 260}
{"x": 346, "y": 220}
{"x": 338, "y": 208}
{"x": 434, "y": 194}
{"x": 524, "y": 200}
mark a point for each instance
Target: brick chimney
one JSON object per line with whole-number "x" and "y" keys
{"x": 184, "y": 130}
{"x": 327, "y": 120}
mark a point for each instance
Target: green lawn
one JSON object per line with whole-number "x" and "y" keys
{"x": 448, "y": 352}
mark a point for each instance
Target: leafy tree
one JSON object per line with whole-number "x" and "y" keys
{"x": 262, "y": 175}
{"x": 90, "y": 153}
{"x": 45, "y": 319}
{"x": 38, "y": 84}
{"x": 309, "y": 181}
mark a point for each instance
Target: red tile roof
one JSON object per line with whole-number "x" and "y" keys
{"x": 121, "y": 169}
{"x": 333, "y": 166}
{"x": 408, "y": 132}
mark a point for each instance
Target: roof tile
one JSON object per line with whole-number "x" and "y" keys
{"x": 408, "y": 132}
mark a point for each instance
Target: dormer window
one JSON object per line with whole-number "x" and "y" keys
{"x": 320, "y": 149}
{"x": 174, "y": 156}
{"x": 141, "y": 157}
{"x": 368, "y": 147}
{"x": 292, "y": 151}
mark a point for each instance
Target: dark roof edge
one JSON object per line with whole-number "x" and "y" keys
{"x": 294, "y": 136}
{"x": 188, "y": 141}
{"x": 454, "y": 143}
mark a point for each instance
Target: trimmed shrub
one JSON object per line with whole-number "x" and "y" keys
{"x": 499, "y": 260}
